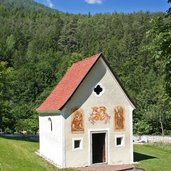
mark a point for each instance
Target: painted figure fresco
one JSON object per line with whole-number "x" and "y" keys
{"x": 77, "y": 122}
{"x": 119, "y": 118}
{"x": 99, "y": 114}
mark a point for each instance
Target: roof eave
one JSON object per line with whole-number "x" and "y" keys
{"x": 41, "y": 112}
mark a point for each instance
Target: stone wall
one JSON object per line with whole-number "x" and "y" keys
{"x": 151, "y": 139}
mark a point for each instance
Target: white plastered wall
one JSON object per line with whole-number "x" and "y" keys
{"x": 85, "y": 98}
{"x": 52, "y": 141}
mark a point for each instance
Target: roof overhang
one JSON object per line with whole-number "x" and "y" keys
{"x": 47, "y": 112}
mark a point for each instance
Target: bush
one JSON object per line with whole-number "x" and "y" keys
{"x": 8, "y": 131}
{"x": 30, "y": 126}
{"x": 142, "y": 127}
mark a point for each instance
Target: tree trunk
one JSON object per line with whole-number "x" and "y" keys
{"x": 161, "y": 125}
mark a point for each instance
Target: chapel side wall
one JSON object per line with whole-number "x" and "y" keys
{"x": 112, "y": 97}
{"x": 51, "y": 142}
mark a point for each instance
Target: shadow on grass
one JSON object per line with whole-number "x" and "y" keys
{"x": 139, "y": 157}
{"x": 21, "y": 138}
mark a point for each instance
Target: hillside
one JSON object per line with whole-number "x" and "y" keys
{"x": 25, "y": 5}
{"x": 38, "y": 44}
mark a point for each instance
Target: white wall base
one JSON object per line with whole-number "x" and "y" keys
{"x": 47, "y": 159}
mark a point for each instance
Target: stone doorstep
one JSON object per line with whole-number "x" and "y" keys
{"x": 103, "y": 167}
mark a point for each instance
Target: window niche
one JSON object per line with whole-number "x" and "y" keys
{"x": 98, "y": 90}
{"x": 119, "y": 141}
{"x": 77, "y": 143}
{"x": 50, "y": 121}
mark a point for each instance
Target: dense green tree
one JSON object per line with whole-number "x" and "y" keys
{"x": 68, "y": 41}
{"x": 159, "y": 48}
{"x": 6, "y": 120}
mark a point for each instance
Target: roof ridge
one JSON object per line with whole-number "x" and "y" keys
{"x": 88, "y": 58}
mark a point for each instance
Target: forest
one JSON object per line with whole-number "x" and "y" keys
{"x": 38, "y": 45}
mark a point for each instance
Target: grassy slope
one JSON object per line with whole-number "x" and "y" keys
{"x": 153, "y": 157}
{"x": 19, "y": 155}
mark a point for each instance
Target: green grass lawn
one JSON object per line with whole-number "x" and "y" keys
{"x": 156, "y": 157}
{"x": 19, "y": 155}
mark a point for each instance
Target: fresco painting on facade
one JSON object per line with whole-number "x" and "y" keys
{"x": 119, "y": 118}
{"x": 77, "y": 120}
{"x": 99, "y": 114}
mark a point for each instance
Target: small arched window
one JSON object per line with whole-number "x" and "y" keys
{"x": 50, "y": 120}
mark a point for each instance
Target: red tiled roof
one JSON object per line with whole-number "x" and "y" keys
{"x": 68, "y": 84}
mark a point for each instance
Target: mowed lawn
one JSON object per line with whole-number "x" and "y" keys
{"x": 156, "y": 157}
{"x": 19, "y": 155}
